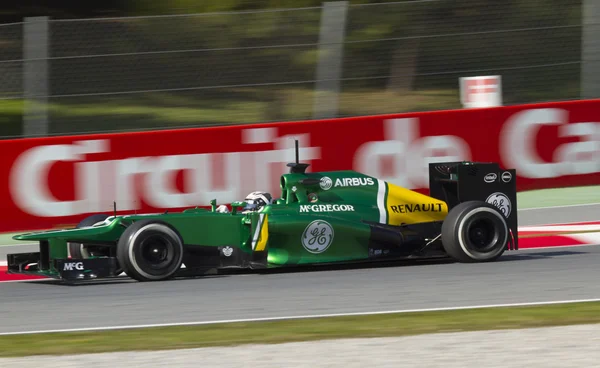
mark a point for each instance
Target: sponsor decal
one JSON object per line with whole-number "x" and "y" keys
{"x": 70, "y": 266}
{"x": 86, "y": 176}
{"x": 354, "y": 182}
{"x": 490, "y": 178}
{"x": 506, "y": 176}
{"x": 227, "y": 251}
{"x": 418, "y": 207}
{"x": 325, "y": 183}
{"x": 317, "y": 236}
{"x": 378, "y": 252}
{"x": 326, "y": 208}
{"x": 501, "y": 201}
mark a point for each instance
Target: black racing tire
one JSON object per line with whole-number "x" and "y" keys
{"x": 92, "y": 219}
{"x": 78, "y": 250}
{"x": 82, "y": 251}
{"x": 475, "y": 231}
{"x": 139, "y": 246}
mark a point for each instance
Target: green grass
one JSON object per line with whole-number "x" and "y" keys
{"x": 558, "y": 197}
{"x": 399, "y": 324}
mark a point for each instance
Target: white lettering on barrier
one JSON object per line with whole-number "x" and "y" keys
{"x": 99, "y": 183}
{"x": 28, "y": 184}
{"x": 326, "y": 208}
{"x": 518, "y": 145}
{"x": 411, "y": 153}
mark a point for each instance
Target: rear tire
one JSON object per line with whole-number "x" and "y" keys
{"x": 150, "y": 250}
{"x": 475, "y": 231}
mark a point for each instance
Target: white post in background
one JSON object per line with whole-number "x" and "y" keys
{"x": 590, "y": 49}
{"x": 329, "y": 66}
{"x": 480, "y": 91}
{"x": 35, "y": 76}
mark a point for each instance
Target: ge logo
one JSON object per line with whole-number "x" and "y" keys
{"x": 501, "y": 201}
{"x": 325, "y": 183}
{"x": 317, "y": 236}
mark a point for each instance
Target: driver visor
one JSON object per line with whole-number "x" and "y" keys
{"x": 251, "y": 205}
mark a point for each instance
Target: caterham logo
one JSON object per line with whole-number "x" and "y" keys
{"x": 227, "y": 251}
{"x": 317, "y": 236}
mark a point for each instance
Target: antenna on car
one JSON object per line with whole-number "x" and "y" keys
{"x": 297, "y": 167}
{"x": 115, "y": 208}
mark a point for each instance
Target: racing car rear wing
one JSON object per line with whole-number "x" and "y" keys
{"x": 457, "y": 182}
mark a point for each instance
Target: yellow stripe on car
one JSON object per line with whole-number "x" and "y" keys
{"x": 404, "y": 206}
{"x": 264, "y": 234}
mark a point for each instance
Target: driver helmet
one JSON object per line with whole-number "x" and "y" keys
{"x": 256, "y": 201}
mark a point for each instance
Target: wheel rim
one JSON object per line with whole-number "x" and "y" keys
{"x": 482, "y": 235}
{"x": 156, "y": 254}
{"x": 156, "y": 251}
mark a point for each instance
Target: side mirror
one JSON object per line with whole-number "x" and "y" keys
{"x": 213, "y": 205}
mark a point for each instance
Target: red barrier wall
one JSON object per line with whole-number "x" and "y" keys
{"x": 54, "y": 181}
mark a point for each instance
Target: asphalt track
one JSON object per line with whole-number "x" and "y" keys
{"x": 535, "y": 275}
{"x": 559, "y": 214}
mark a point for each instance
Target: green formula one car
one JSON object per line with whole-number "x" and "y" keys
{"x": 321, "y": 218}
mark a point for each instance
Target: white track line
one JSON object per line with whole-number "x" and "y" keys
{"x": 314, "y": 316}
{"x": 594, "y": 227}
{"x": 562, "y": 206}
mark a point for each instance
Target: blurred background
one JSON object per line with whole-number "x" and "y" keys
{"x": 106, "y": 66}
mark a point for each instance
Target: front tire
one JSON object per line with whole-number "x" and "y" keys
{"x": 475, "y": 231}
{"x": 83, "y": 251}
{"x": 150, "y": 250}
{"x": 92, "y": 220}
